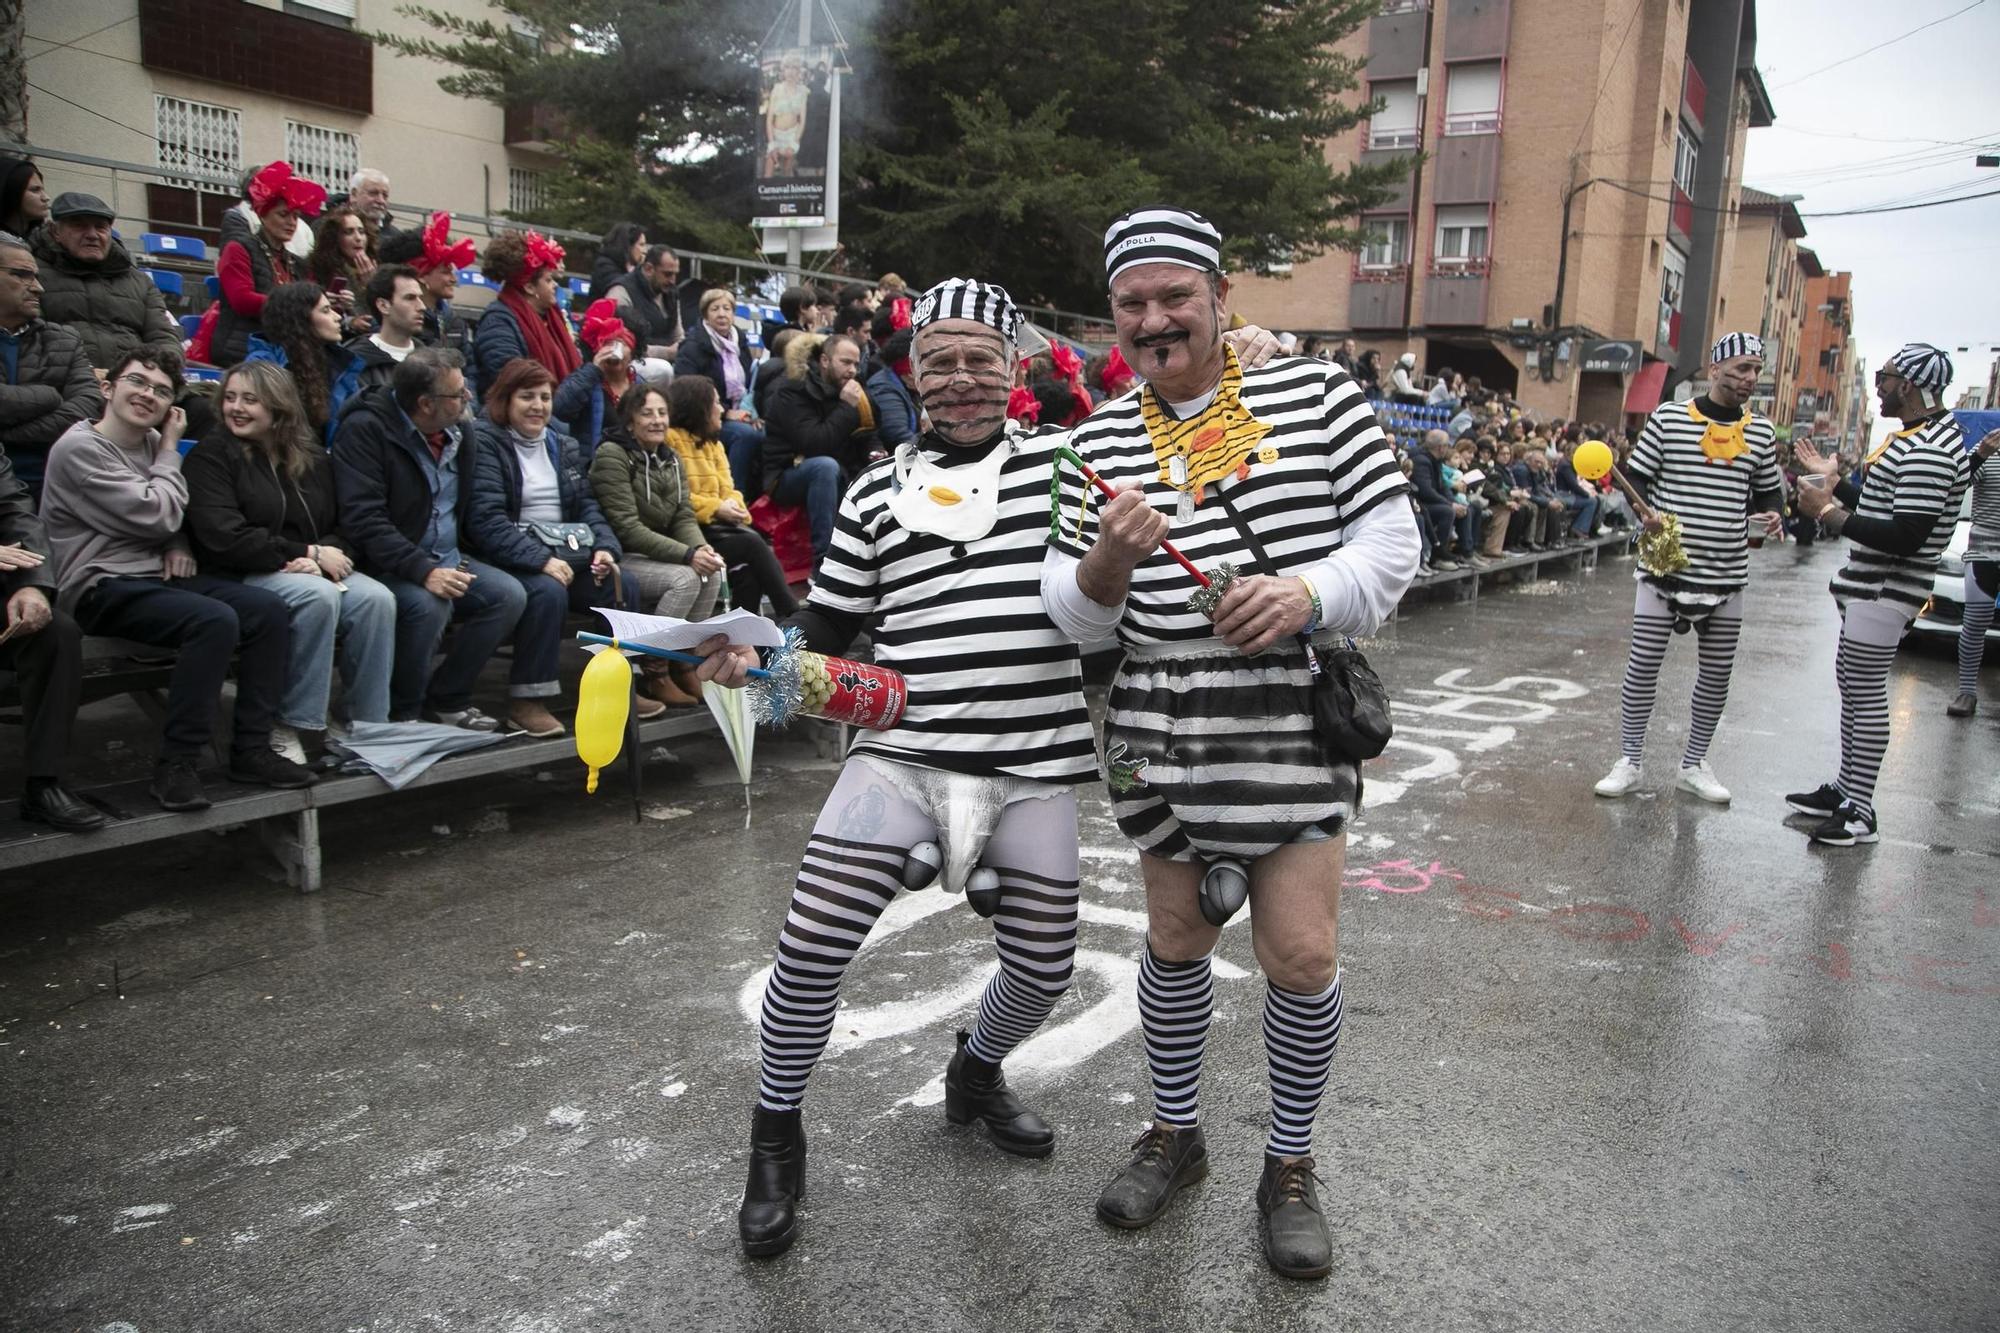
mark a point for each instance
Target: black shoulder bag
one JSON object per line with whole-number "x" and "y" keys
{"x": 1350, "y": 705}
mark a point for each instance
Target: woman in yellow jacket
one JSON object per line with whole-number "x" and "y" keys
{"x": 694, "y": 420}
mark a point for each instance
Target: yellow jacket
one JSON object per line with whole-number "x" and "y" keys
{"x": 706, "y": 465}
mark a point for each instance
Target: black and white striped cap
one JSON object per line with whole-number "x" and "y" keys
{"x": 968, "y": 298}
{"x": 1732, "y": 345}
{"x": 1923, "y": 365}
{"x": 1161, "y": 235}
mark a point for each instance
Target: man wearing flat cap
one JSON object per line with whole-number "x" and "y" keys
{"x": 91, "y": 285}
{"x": 1216, "y": 768}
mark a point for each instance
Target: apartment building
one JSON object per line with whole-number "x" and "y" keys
{"x": 1823, "y": 399}
{"x": 1569, "y": 232}
{"x": 1766, "y": 292}
{"x": 194, "y": 92}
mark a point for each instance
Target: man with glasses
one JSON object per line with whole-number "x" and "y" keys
{"x": 114, "y": 507}
{"x": 1898, "y": 520}
{"x": 404, "y": 475}
{"x": 46, "y": 381}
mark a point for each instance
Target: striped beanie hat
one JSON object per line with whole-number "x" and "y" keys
{"x": 1923, "y": 365}
{"x": 968, "y": 298}
{"x": 1732, "y": 345}
{"x": 1161, "y": 235}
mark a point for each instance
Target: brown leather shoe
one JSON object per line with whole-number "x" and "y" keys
{"x": 532, "y": 717}
{"x": 659, "y": 685}
{"x": 683, "y": 675}
{"x": 646, "y": 708}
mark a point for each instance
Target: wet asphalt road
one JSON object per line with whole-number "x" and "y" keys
{"x": 1647, "y": 1064}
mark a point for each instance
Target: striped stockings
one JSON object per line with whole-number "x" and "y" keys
{"x": 845, "y": 883}
{"x": 1300, "y": 1033}
{"x": 1652, "y": 627}
{"x": 1978, "y": 619}
{"x": 1869, "y": 633}
{"x": 1176, "y": 1000}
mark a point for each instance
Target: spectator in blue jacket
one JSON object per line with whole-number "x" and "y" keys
{"x": 403, "y": 473}
{"x": 1533, "y": 472}
{"x": 301, "y": 334}
{"x": 534, "y": 516}
{"x": 715, "y": 350}
{"x": 897, "y": 416}
{"x": 526, "y": 320}
{"x": 1576, "y": 493}
{"x": 1442, "y": 510}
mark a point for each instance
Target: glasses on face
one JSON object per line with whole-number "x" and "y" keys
{"x": 458, "y": 397}
{"x": 151, "y": 388}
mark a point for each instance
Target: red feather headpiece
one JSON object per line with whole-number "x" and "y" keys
{"x": 438, "y": 249}
{"x": 542, "y": 253}
{"x": 276, "y": 184}
{"x": 601, "y": 324}
{"x": 1118, "y": 374}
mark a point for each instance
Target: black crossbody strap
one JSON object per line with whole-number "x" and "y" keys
{"x": 1269, "y": 570}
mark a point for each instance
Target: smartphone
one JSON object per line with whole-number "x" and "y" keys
{"x": 337, "y": 285}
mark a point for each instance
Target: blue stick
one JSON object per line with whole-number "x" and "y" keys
{"x": 651, "y": 651}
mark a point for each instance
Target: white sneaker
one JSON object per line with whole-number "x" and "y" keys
{"x": 1701, "y": 781}
{"x": 285, "y": 740}
{"x": 1623, "y": 777}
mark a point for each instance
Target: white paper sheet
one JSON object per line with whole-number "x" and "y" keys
{"x": 682, "y": 635}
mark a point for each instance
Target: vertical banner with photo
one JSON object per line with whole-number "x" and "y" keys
{"x": 798, "y": 122}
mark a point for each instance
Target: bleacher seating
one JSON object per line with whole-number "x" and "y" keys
{"x": 185, "y": 247}
{"x": 472, "y": 277}
{"x": 167, "y": 281}
{"x": 214, "y": 285}
{"x": 190, "y": 325}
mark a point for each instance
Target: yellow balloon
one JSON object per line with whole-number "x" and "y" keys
{"x": 1592, "y": 460}
{"x": 603, "y": 700}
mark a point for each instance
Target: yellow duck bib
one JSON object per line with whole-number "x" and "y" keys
{"x": 1214, "y": 443}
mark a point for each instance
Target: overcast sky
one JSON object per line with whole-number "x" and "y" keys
{"x": 1865, "y": 134}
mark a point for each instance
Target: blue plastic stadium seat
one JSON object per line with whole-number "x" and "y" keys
{"x": 472, "y": 277}
{"x": 190, "y": 325}
{"x": 160, "y": 243}
{"x": 169, "y": 283}
{"x": 205, "y": 374}
{"x": 214, "y": 285}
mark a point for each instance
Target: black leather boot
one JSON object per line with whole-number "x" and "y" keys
{"x": 976, "y": 1090}
{"x": 1164, "y": 1162}
{"x": 768, "y": 1221}
{"x": 1296, "y": 1242}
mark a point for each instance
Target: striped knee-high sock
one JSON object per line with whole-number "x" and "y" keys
{"x": 1176, "y": 1001}
{"x": 1300, "y": 1033}
{"x": 1864, "y": 730}
{"x": 1034, "y": 930}
{"x": 1716, "y": 647}
{"x": 841, "y": 891}
{"x": 1972, "y": 636}
{"x": 1642, "y": 682}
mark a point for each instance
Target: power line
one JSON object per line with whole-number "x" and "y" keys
{"x": 227, "y": 168}
{"x": 1630, "y": 188}
{"x": 1847, "y": 60}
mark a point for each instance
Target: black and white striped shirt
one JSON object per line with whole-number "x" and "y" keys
{"x": 1925, "y": 470}
{"x": 1984, "y": 542}
{"x": 995, "y": 688}
{"x": 1332, "y": 465}
{"x": 1710, "y": 497}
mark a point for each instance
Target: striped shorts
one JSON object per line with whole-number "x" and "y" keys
{"x": 1222, "y": 756}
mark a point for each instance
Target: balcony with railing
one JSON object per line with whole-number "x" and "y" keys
{"x": 1468, "y": 169}
{"x": 532, "y": 125}
{"x": 1680, "y": 217}
{"x": 1378, "y": 297}
{"x": 1694, "y": 95}
{"x": 259, "y": 49}
{"x": 1455, "y": 291}
{"x": 1396, "y": 42}
{"x": 1475, "y": 29}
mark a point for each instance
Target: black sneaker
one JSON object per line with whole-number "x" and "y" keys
{"x": 177, "y": 787}
{"x": 1296, "y": 1242}
{"x": 1820, "y": 803}
{"x": 1965, "y": 705}
{"x": 267, "y": 768}
{"x": 1845, "y": 827}
{"x": 1164, "y": 1162}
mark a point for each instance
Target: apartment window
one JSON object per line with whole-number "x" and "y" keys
{"x": 197, "y": 137}
{"x": 1461, "y": 234}
{"x": 1472, "y": 98}
{"x": 526, "y": 191}
{"x": 339, "y": 13}
{"x": 1395, "y": 125}
{"x": 329, "y": 157}
{"x": 1673, "y": 279}
{"x": 1388, "y": 242}
{"x": 1686, "y": 149}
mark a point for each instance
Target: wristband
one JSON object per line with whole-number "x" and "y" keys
{"x": 1312, "y": 595}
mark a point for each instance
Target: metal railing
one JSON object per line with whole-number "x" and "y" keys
{"x": 123, "y": 186}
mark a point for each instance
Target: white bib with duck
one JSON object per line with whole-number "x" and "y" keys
{"x": 959, "y": 504}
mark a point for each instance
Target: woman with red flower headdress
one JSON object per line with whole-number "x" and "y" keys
{"x": 437, "y": 260}
{"x": 528, "y": 321}
{"x": 248, "y": 271}
{"x": 612, "y": 346}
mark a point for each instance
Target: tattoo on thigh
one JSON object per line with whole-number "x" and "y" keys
{"x": 864, "y": 816}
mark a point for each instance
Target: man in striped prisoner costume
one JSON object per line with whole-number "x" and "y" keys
{"x": 937, "y": 551}
{"x": 1899, "y": 520}
{"x": 1214, "y": 761}
{"x": 1710, "y": 462}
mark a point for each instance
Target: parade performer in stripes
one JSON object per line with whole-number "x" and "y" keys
{"x": 1899, "y": 520}
{"x": 1982, "y": 574}
{"x": 1214, "y": 763}
{"x": 1710, "y": 462}
{"x": 937, "y": 552}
